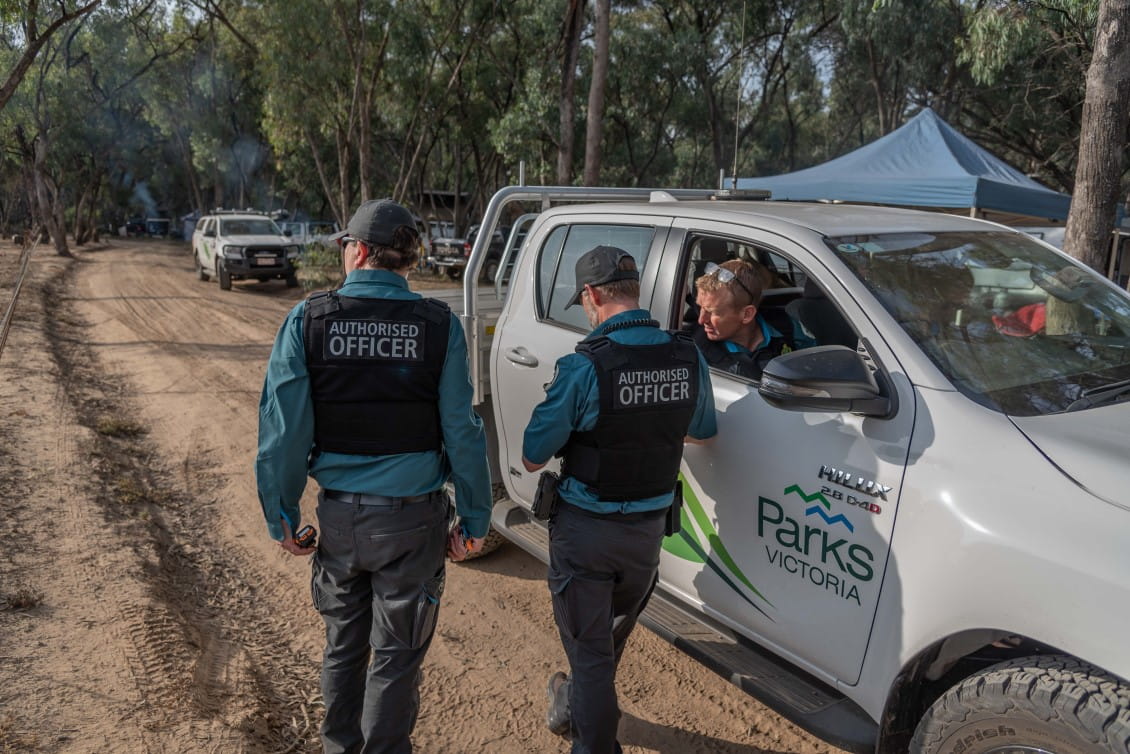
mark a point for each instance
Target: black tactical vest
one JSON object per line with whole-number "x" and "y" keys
{"x": 375, "y": 366}
{"x": 647, "y": 399}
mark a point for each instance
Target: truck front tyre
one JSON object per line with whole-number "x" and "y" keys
{"x": 292, "y": 280}
{"x": 224, "y": 277}
{"x": 1046, "y": 703}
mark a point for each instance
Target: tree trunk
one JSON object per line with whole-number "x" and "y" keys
{"x": 339, "y": 212}
{"x": 217, "y": 187}
{"x": 77, "y": 229}
{"x": 595, "y": 124}
{"x": 571, "y": 36}
{"x": 190, "y": 170}
{"x": 1102, "y": 138}
{"x": 457, "y": 207}
{"x": 92, "y": 208}
{"x": 343, "y": 160}
{"x": 47, "y": 196}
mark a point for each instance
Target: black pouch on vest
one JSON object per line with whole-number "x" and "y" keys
{"x": 545, "y": 501}
{"x": 675, "y": 512}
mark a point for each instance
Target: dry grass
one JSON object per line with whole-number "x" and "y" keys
{"x": 11, "y": 740}
{"x": 128, "y": 491}
{"x": 24, "y": 598}
{"x": 114, "y": 426}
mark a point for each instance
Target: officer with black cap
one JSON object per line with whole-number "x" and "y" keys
{"x": 368, "y": 391}
{"x": 618, "y": 411}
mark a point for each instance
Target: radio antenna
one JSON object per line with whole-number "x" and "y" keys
{"x": 738, "y": 105}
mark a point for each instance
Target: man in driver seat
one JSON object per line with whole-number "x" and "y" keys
{"x": 733, "y": 334}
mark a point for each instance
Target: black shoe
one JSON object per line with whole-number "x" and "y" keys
{"x": 557, "y": 716}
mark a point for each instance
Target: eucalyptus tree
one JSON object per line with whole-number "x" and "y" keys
{"x": 26, "y": 27}
{"x": 541, "y": 127}
{"x": 220, "y": 95}
{"x": 572, "y": 25}
{"x": 54, "y": 126}
{"x": 1103, "y": 139}
{"x": 598, "y": 80}
{"x": 1029, "y": 65}
{"x": 321, "y": 66}
{"x": 747, "y": 68}
{"x": 888, "y": 58}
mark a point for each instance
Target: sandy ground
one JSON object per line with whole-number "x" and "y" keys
{"x": 143, "y": 608}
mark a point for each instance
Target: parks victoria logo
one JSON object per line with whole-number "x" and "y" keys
{"x": 813, "y": 544}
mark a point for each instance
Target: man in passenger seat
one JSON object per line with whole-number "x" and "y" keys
{"x": 732, "y": 333}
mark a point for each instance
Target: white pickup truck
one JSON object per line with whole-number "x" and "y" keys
{"x": 913, "y": 537}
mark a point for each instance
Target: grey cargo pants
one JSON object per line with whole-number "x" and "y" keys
{"x": 602, "y": 569}
{"x": 377, "y": 578}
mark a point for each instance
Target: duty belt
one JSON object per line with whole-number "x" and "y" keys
{"x": 360, "y": 498}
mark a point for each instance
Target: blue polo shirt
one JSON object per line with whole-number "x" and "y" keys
{"x": 286, "y": 429}
{"x": 572, "y": 403}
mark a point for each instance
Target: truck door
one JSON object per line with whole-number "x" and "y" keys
{"x": 787, "y": 515}
{"x": 535, "y": 328}
{"x": 208, "y": 242}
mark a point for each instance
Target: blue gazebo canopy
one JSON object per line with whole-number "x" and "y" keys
{"x": 923, "y": 163}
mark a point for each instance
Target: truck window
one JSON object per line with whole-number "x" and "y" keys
{"x": 792, "y": 306}
{"x": 558, "y": 259}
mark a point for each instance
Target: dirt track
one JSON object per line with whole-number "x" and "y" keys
{"x": 143, "y": 608}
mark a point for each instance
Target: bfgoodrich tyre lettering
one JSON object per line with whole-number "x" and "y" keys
{"x": 1034, "y": 704}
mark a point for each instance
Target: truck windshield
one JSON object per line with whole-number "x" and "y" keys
{"x": 1012, "y": 324}
{"x": 249, "y": 227}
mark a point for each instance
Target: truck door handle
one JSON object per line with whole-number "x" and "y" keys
{"x": 519, "y": 355}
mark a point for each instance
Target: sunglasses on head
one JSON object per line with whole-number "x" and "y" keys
{"x": 727, "y": 276}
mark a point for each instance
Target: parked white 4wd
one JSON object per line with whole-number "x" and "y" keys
{"x": 243, "y": 245}
{"x": 913, "y": 537}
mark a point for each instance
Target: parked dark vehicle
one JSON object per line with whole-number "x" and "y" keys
{"x": 449, "y": 255}
{"x": 157, "y": 227}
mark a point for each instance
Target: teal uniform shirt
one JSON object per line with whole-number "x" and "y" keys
{"x": 572, "y": 403}
{"x": 768, "y": 333}
{"x": 286, "y": 429}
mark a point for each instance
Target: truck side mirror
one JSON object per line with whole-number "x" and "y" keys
{"x": 288, "y": 232}
{"x": 825, "y": 378}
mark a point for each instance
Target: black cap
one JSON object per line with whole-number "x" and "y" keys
{"x": 375, "y": 223}
{"x": 599, "y": 266}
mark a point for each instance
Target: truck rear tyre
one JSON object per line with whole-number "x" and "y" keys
{"x": 490, "y": 271}
{"x": 200, "y": 273}
{"x": 1049, "y": 703}
{"x": 224, "y": 277}
{"x": 455, "y": 272}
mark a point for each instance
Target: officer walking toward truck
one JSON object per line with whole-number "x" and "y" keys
{"x": 618, "y": 411}
{"x": 368, "y": 391}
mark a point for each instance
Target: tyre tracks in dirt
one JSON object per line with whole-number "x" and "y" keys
{"x": 196, "y": 638}
{"x": 182, "y": 644}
